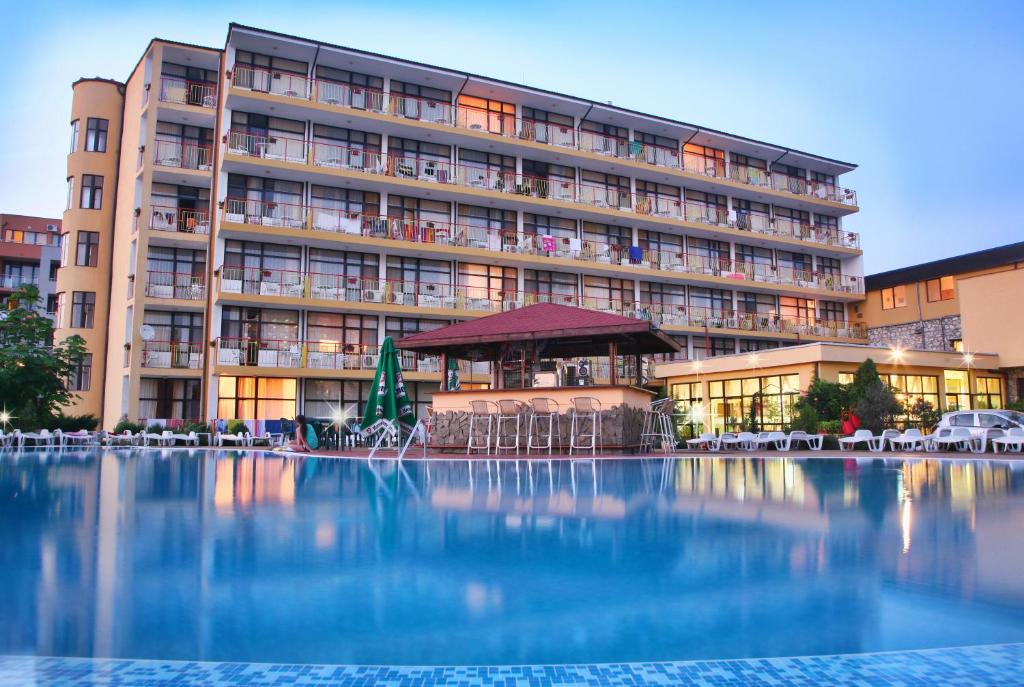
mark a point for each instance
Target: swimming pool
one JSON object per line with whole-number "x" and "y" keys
{"x": 222, "y": 556}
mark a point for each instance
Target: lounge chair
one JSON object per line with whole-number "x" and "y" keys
{"x": 125, "y": 438}
{"x": 6, "y": 439}
{"x": 862, "y": 436}
{"x": 40, "y": 438}
{"x": 152, "y": 437}
{"x": 744, "y": 440}
{"x": 888, "y": 435}
{"x": 961, "y": 439}
{"x": 814, "y": 441}
{"x": 1012, "y": 441}
{"x": 778, "y": 439}
{"x": 171, "y": 437}
{"x": 911, "y": 440}
{"x": 79, "y": 438}
{"x": 239, "y": 439}
{"x": 707, "y": 441}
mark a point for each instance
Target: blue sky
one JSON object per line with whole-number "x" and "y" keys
{"x": 925, "y": 97}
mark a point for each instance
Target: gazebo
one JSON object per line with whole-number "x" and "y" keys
{"x": 516, "y": 343}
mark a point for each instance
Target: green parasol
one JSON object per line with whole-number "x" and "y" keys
{"x": 388, "y": 399}
{"x": 452, "y": 382}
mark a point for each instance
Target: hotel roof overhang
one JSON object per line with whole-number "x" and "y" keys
{"x": 558, "y": 331}
{"x": 959, "y": 264}
{"x": 341, "y": 57}
{"x": 825, "y": 352}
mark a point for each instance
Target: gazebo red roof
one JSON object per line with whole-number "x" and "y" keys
{"x": 563, "y": 328}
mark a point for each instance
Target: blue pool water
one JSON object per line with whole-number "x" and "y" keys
{"x": 218, "y": 556}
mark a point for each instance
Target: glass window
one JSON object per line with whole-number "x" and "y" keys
{"x": 799, "y": 309}
{"x": 847, "y": 378}
{"x": 711, "y": 300}
{"x": 71, "y": 193}
{"x": 911, "y": 388}
{"x": 769, "y": 399}
{"x": 92, "y": 192}
{"x": 81, "y": 375}
{"x": 88, "y": 249}
{"x": 752, "y": 345}
{"x": 988, "y": 393}
{"x": 75, "y": 128}
{"x": 251, "y": 398}
{"x": 488, "y": 281}
{"x": 894, "y": 297}
{"x": 941, "y": 289}
{"x": 958, "y": 390}
{"x": 96, "y": 135}
{"x": 705, "y": 347}
{"x": 689, "y": 408}
{"x": 326, "y": 396}
{"x": 490, "y": 115}
{"x": 83, "y": 309}
{"x": 175, "y": 326}
{"x": 831, "y": 311}
{"x": 418, "y": 270}
{"x": 551, "y": 287}
{"x": 606, "y": 293}
{"x": 349, "y": 77}
{"x": 173, "y": 399}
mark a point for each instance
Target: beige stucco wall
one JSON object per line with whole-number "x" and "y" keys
{"x": 102, "y": 99}
{"x": 991, "y": 314}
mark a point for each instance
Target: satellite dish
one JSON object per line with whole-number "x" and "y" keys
{"x": 146, "y": 332}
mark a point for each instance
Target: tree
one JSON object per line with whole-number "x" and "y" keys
{"x": 878, "y": 407}
{"x": 923, "y": 413}
{"x": 34, "y": 371}
{"x": 865, "y": 376}
{"x": 828, "y": 399}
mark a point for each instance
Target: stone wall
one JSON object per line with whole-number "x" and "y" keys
{"x": 620, "y": 429}
{"x": 1013, "y": 377}
{"x": 929, "y": 335}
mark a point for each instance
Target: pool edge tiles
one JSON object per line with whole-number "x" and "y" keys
{"x": 996, "y": 664}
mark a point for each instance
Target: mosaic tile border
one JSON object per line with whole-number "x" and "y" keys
{"x": 998, "y": 664}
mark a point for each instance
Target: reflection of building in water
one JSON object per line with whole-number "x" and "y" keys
{"x": 203, "y": 557}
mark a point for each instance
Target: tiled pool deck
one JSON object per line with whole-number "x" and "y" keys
{"x": 1000, "y": 664}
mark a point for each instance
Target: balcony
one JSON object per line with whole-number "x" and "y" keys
{"x": 318, "y": 355}
{"x": 472, "y": 119}
{"x": 182, "y": 92}
{"x": 255, "y": 212}
{"x": 328, "y": 155}
{"x": 171, "y": 355}
{"x": 175, "y": 285}
{"x": 483, "y": 301}
{"x": 13, "y": 281}
{"x": 183, "y": 155}
{"x": 180, "y": 220}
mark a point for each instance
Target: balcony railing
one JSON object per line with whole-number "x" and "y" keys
{"x": 13, "y": 281}
{"x": 323, "y": 154}
{"x": 506, "y": 125}
{"x": 177, "y": 285}
{"x": 182, "y": 220}
{"x": 315, "y": 355}
{"x": 374, "y": 291}
{"x": 182, "y": 154}
{"x": 171, "y": 355}
{"x": 315, "y": 218}
{"x": 183, "y": 92}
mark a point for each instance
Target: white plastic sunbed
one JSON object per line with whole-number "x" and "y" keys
{"x": 862, "y": 436}
{"x": 814, "y": 441}
{"x": 744, "y": 440}
{"x": 707, "y": 441}
{"x": 911, "y": 440}
{"x": 1013, "y": 441}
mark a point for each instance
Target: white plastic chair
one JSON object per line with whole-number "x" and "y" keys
{"x": 778, "y": 439}
{"x": 911, "y": 440}
{"x": 707, "y": 440}
{"x": 960, "y": 438}
{"x": 1013, "y": 441}
{"x": 746, "y": 441}
{"x": 814, "y": 441}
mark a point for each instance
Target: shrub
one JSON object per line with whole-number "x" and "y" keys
{"x": 237, "y": 427}
{"x": 75, "y": 423}
{"x": 155, "y": 428}
{"x": 750, "y": 423}
{"x": 878, "y": 407}
{"x": 125, "y": 424}
{"x": 864, "y": 378}
{"x": 198, "y": 428}
{"x": 1017, "y": 405}
{"x": 830, "y": 426}
{"x": 806, "y": 420}
{"x": 923, "y": 414}
{"x": 828, "y": 399}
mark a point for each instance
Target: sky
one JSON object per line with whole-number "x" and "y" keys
{"x": 926, "y": 97}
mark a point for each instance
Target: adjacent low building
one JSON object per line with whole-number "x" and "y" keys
{"x": 30, "y": 254}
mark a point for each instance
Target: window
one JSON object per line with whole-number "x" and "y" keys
{"x": 550, "y": 287}
{"x": 176, "y": 399}
{"x": 96, "y": 135}
{"x": 175, "y": 327}
{"x": 331, "y": 332}
{"x": 958, "y": 390}
{"x": 831, "y": 311}
{"x": 607, "y": 294}
{"x": 847, "y": 378}
{"x": 753, "y": 345}
{"x": 324, "y": 397}
{"x": 956, "y": 345}
{"x": 83, "y": 309}
{"x": 705, "y": 347}
{"x": 689, "y": 408}
{"x": 941, "y": 289}
{"x": 92, "y": 192}
{"x": 54, "y": 266}
{"x": 81, "y": 374}
{"x": 911, "y": 388}
{"x": 51, "y": 304}
{"x": 75, "y": 128}
{"x": 769, "y": 399}
{"x": 798, "y": 309}
{"x": 490, "y": 115}
{"x": 988, "y": 393}
{"x": 71, "y": 193}
{"x": 492, "y": 282}
{"x": 894, "y": 297}
{"x": 88, "y": 249}
{"x": 255, "y": 398}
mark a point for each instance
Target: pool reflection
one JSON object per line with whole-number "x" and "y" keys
{"x": 195, "y": 555}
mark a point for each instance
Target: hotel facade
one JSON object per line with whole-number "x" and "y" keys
{"x": 267, "y": 213}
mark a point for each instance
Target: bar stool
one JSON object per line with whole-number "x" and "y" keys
{"x": 481, "y": 417}
{"x": 585, "y": 409}
{"x": 545, "y": 419}
{"x": 508, "y": 417}
{"x": 657, "y": 430}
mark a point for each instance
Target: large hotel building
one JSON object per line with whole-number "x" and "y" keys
{"x": 264, "y": 215}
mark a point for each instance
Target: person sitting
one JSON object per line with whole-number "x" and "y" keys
{"x": 305, "y": 436}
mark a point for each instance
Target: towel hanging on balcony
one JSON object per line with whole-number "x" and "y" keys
{"x": 575, "y": 245}
{"x": 636, "y": 254}
{"x": 547, "y": 243}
